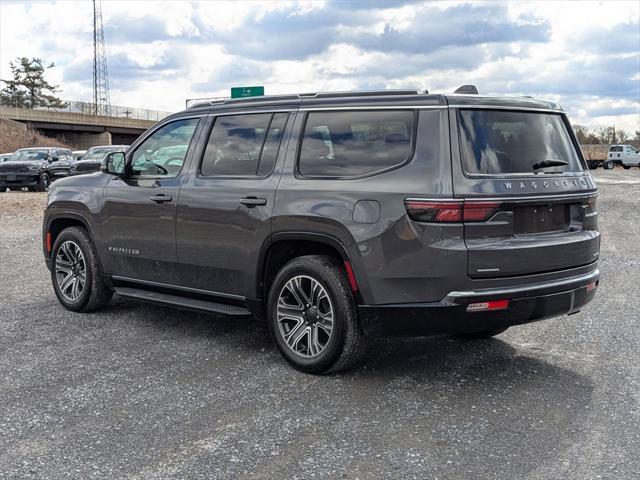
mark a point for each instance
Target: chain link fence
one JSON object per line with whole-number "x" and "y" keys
{"x": 87, "y": 108}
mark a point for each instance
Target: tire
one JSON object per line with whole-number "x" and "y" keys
{"x": 482, "y": 334}
{"x": 45, "y": 181}
{"x": 32, "y": 189}
{"x": 608, "y": 165}
{"x": 337, "y": 350}
{"x": 3, "y": 189}
{"x": 15, "y": 189}
{"x": 626, "y": 167}
{"x": 94, "y": 294}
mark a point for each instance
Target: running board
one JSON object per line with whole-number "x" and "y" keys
{"x": 184, "y": 302}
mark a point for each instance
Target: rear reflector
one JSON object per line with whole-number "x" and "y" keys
{"x": 486, "y": 306}
{"x": 48, "y": 239}
{"x": 351, "y": 276}
{"x": 591, "y": 286}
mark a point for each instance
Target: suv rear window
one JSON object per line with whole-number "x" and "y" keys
{"x": 350, "y": 144}
{"x": 496, "y": 142}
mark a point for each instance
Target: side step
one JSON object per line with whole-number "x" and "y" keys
{"x": 184, "y": 302}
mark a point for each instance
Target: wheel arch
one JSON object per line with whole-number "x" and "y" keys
{"x": 56, "y": 223}
{"x": 282, "y": 247}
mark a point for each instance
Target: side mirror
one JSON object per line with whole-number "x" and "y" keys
{"x": 113, "y": 164}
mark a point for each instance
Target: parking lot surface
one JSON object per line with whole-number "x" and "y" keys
{"x": 146, "y": 392}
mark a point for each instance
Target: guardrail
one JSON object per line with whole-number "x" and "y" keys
{"x": 118, "y": 111}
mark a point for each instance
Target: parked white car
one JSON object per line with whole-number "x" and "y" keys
{"x": 624, "y": 155}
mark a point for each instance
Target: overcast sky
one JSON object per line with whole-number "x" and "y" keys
{"x": 583, "y": 55}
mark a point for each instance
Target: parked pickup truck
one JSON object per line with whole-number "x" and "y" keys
{"x": 625, "y": 155}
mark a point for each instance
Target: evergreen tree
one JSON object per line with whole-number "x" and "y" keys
{"x": 29, "y": 89}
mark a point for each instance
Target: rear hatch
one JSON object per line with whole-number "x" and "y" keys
{"x": 528, "y": 201}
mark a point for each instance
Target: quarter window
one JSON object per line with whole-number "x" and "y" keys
{"x": 349, "y": 144}
{"x": 163, "y": 153}
{"x": 243, "y": 145}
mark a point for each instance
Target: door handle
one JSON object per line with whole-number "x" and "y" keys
{"x": 161, "y": 198}
{"x": 251, "y": 202}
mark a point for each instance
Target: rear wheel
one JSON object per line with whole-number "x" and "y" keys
{"x": 3, "y": 189}
{"x": 626, "y": 167}
{"x": 312, "y": 316}
{"x": 482, "y": 334}
{"x": 75, "y": 272}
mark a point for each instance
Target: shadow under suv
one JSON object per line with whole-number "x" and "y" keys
{"x": 337, "y": 217}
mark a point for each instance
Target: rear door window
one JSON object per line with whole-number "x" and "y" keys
{"x": 355, "y": 143}
{"x": 498, "y": 142}
{"x": 243, "y": 145}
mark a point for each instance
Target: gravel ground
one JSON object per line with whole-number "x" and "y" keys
{"x": 145, "y": 392}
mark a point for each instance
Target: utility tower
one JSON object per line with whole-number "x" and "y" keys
{"x": 101, "y": 100}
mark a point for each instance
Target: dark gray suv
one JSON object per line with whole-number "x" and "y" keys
{"x": 337, "y": 217}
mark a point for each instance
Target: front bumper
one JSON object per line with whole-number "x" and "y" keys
{"x": 19, "y": 180}
{"x": 450, "y": 316}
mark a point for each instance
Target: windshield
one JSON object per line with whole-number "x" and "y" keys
{"x": 496, "y": 142}
{"x": 29, "y": 155}
{"x": 97, "y": 153}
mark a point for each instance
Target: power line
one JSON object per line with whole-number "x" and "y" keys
{"x": 101, "y": 100}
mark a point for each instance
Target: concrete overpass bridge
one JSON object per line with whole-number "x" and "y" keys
{"x": 76, "y": 125}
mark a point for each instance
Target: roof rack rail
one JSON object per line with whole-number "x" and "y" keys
{"x": 299, "y": 96}
{"x": 361, "y": 93}
{"x": 467, "y": 89}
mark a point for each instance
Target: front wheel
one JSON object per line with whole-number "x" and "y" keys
{"x": 608, "y": 165}
{"x": 75, "y": 272}
{"x": 626, "y": 167}
{"x": 312, "y": 316}
{"x": 45, "y": 181}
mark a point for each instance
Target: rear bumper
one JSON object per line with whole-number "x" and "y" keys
{"x": 450, "y": 316}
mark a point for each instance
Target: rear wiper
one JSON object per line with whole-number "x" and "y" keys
{"x": 549, "y": 163}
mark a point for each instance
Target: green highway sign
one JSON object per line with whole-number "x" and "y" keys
{"x": 239, "y": 92}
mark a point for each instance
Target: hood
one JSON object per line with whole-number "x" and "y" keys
{"x": 88, "y": 160}
{"x": 21, "y": 166}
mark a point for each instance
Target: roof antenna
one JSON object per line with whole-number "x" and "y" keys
{"x": 467, "y": 89}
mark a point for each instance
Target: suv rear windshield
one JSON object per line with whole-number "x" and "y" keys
{"x": 496, "y": 142}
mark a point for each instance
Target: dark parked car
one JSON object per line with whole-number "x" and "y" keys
{"x": 92, "y": 159}
{"x": 337, "y": 217}
{"x": 77, "y": 154}
{"x": 34, "y": 168}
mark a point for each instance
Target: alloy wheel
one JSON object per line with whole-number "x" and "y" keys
{"x": 305, "y": 316}
{"x": 71, "y": 271}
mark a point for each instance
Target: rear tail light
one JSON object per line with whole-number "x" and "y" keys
{"x": 479, "y": 211}
{"x": 447, "y": 211}
{"x": 450, "y": 211}
{"x": 591, "y": 204}
{"x": 488, "y": 306}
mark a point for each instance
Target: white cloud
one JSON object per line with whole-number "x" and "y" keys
{"x": 584, "y": 55}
